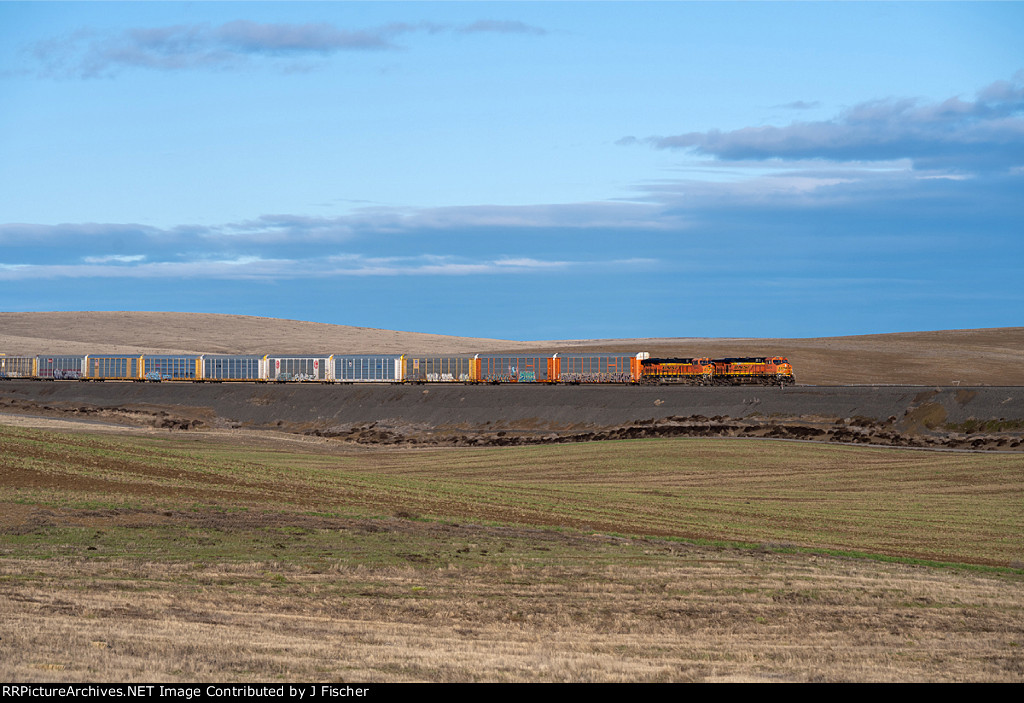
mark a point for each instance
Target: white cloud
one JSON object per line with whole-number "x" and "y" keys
{"x": 344, "y": 264}
{"x": 232, "y": 45}
{"x": 114, "y": 258}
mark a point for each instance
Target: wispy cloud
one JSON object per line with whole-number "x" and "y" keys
{"x": 114, "y": 258}
{"x": 501, "y": 26}
{"x": 983, "y": 134}
{"x": 118, "y": 242}
{"x": 800, "y": 105}
{"x": 232, "y": 45}
{"x": 347, "y": 265}
{"x": 397, "y": 220}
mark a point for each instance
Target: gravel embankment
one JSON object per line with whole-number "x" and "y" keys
{"x": 558, "y": 408}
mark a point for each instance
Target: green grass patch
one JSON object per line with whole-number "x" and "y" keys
{"x": 929, "y": 506}
{"x": 971, "y": 426}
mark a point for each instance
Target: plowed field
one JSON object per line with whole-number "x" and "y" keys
{"x": 254, "y": 556}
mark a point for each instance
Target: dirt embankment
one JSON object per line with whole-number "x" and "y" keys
{"x": 857, "y": 430}
{"x": 963, "y": 418}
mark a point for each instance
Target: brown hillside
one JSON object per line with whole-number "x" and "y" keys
{"x": 202, "y": 333}
{"x": 952, "y": 357}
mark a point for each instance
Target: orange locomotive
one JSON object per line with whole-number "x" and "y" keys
{"x": 759, "y": 370}
{"x": 693, "y": 372}
{"x": 765, "y": 371}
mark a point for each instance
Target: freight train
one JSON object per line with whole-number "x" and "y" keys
{"x": 558, "y": 368}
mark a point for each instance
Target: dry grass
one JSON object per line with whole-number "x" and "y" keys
{"x": 595, "y": 610}
{"x": 173, "y": 332}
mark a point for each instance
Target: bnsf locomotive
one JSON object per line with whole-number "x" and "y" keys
{"x": 401, "y": 368}
{"x": 760, "y": 370}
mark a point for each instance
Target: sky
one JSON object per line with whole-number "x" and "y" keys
{"x": 519, "y": 170}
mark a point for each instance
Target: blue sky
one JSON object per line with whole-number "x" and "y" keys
{"x": 519, "y": 170}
